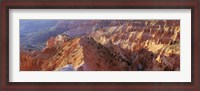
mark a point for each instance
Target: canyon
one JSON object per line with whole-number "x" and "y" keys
{"x": 107, "y": 45}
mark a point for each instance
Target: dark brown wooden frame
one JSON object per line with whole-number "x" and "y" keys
{"x": 99, "y": 4}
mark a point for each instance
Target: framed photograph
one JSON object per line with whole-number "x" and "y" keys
{"x": 100, "y": 45}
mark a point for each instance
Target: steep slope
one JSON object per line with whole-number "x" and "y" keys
{"x": 163, "y": 41}
{"x": 58, "y": 52}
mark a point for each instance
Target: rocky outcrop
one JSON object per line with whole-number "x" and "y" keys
{"x": 58, "y": 53}
{"x": 159, "y": 38}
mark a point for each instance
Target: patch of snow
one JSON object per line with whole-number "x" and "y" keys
{"x": 68, "y": 67}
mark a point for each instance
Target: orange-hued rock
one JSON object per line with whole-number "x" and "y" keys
{"x": 152, "y": 45}
{"x": 57, "y": 54}
{"x": 160, "y": 38}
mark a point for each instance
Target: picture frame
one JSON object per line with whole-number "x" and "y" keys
{"x": 103, "y": 4}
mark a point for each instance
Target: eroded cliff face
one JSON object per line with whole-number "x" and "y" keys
{"x": 59, "y": 52}
{"x": 110, "y": 46}
{"x": 154, "y": 41}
